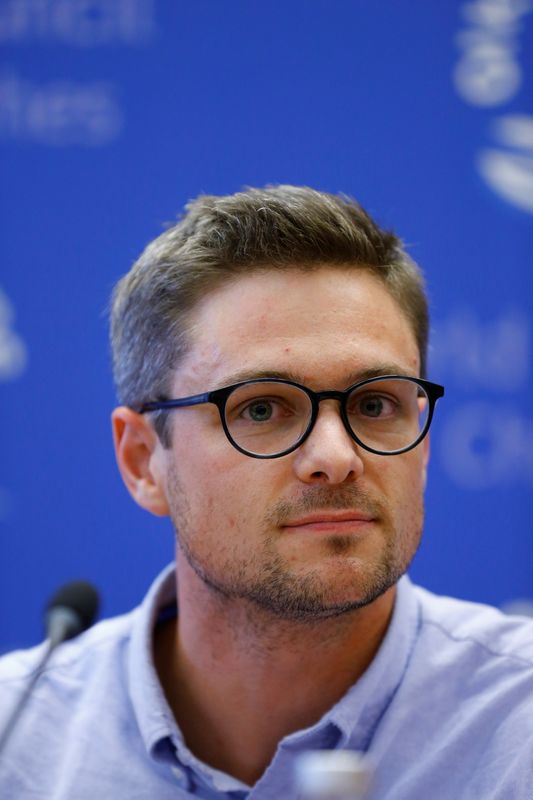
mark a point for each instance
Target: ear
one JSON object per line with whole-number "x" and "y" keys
{"x": 141, "y": 459}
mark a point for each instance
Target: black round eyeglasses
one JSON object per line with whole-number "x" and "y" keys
{"x": 269, "y": 417}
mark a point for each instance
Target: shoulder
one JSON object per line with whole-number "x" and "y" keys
{"x": 82, "y": 657}
{"x": 473, "y": 627}
{"x": 461, "y": 721}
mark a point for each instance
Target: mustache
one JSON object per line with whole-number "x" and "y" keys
{"x": 322, "y": 498}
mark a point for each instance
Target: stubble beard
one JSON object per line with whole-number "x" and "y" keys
{"x": 267, "y": 583}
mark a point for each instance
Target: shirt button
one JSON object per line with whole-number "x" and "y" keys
{"x": 178, "y": 773}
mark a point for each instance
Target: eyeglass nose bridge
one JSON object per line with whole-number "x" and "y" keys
{"x": 330, "y": 394}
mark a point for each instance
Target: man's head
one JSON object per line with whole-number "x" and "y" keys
{"x": 221, "y": 239}
{"x": 279, "y": 282}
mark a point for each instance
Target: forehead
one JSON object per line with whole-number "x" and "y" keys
{"x": 323, "y": 326}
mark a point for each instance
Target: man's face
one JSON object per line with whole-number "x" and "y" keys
{"x": 330, "y": 526}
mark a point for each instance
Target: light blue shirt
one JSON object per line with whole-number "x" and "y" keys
{"x": 445, "y": 712}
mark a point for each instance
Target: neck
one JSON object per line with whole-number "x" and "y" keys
{"x": 228, "y": 667}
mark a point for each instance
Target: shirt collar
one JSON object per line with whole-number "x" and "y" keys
{"x": 350, "y": 722}
{"x": 153, "y": 714}
{"x": 358, "y": 712}
{"x": 159, "y": 730}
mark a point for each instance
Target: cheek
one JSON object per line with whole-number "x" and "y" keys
{"x": 411, "y": 499}
{"x": 226, "y": 493}
{"x": 401, "y": 478}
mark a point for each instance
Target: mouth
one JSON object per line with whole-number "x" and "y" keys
{"x": 330, "y": 522}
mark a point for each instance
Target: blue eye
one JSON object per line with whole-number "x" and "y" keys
{"x": 260, "y": 411}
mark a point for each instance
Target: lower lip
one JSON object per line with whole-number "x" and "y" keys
{"x": 341, "y": 527}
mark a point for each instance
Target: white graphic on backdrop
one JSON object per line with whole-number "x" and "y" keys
{"x": 489, "y": 74}
{"x": 489, "y": 355}
{"x": 13, "y": 361}
{"x": 485, "y": 444}
{"x": 509, "y": 171}
{"x": 78, "y": 23}
{"x": 59, "y": 114}
{"x": 67, "y": 112}
{"x": 13, "y": 353}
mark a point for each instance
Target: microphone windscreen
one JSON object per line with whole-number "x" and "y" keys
{"x": 81, "y": 598}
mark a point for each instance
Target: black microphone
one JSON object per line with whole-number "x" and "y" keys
{"x": 71, "y": 611}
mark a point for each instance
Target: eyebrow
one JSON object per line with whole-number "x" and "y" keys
{"x": 377, "y": 371}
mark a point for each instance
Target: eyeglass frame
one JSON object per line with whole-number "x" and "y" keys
{"x": 219, "y": 398}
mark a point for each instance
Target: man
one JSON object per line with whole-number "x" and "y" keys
{"x": 270, "y": 357}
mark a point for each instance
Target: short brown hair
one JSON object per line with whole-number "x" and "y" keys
{"x": 219, "y": 238}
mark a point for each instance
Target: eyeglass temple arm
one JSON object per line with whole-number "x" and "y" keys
{"x": 193, "y": 400}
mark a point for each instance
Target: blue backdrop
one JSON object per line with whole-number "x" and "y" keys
{"x": 114, "y": 112}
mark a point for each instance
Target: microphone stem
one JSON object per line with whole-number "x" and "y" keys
{"x": 19, "y": 706}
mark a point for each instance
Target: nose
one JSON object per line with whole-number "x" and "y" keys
{"x": 329, "y": 455}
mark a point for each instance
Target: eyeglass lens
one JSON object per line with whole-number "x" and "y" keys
{"x": 268, "y": 418}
